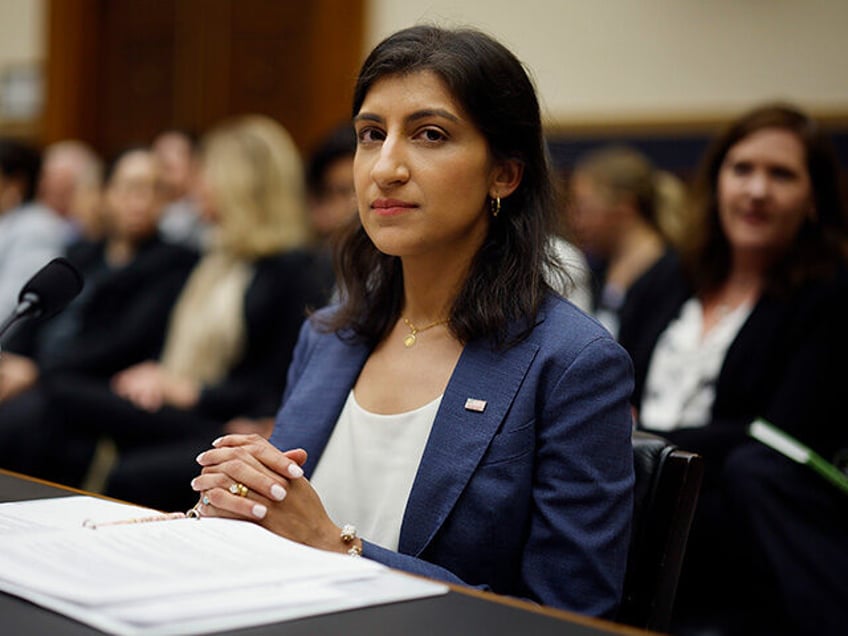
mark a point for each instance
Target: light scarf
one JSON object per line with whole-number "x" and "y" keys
{"x": 207, "y": 332}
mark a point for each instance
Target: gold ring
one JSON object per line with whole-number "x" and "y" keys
{"x": 239, "y": 489}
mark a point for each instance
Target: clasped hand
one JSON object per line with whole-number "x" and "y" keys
{"x": 278, "y": 497}
{"x": 150, "y": 387}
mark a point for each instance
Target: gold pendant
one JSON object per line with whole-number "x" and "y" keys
{"x": 409, "y": 340}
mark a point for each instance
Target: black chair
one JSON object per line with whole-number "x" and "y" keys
{"x": 668, "y": 481}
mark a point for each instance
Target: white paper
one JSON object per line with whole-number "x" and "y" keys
{"x": 64, "y": 512}
{"x": 178, "y": 576}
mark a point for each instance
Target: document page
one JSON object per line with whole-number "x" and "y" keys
{"x": 64, "y": 512}
{"x": 179, "y": 575}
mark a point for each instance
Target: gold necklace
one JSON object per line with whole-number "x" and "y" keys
{"x": 410, "y": 339}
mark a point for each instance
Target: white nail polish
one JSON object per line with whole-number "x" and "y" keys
{"x": 199, "y": 458}
{"x": 278, "y": 492}
{"x": 193, "y": 481}
{"x": 295, "y": 471}
{"x": 217, "y": 441}
{"x": 259, "y": 511}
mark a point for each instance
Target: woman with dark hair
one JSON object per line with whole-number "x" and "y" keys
{"x": 749, "y": 323}
{"x": 470, "y": 422}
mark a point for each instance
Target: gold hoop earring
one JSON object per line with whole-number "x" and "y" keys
{"x": 495, "y": 206}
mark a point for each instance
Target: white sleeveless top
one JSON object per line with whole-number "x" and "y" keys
{"x": 680, "y": 386}
{"x": 366, "y": 471}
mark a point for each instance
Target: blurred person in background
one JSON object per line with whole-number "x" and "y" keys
{"x": 70, "y": 182}
{"x": 329, "y": 182}
{"x": 131, "y": 281}
{"x": 577, "y": 285}
{"x": 182, "y": 221}
{"x": 30, "y": 233}
{"x": 331, "y": 203}
{"x": 232, "y": 331}
{"x": 749, "y": 322}
{"x": 617, "y": 199}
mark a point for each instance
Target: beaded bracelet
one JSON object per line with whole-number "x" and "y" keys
{"x": 348, "y": 537}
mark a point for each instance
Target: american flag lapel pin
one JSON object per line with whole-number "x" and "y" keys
{"x": 473, "y": 404}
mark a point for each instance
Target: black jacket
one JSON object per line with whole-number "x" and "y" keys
{"x": 120, "y": 317}
{"x": 283, "y": 289}
{"x": 786, "y": 364}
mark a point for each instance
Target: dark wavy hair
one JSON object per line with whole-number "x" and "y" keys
{"x": 820, "y": 243}
{"x": 506, "y": 281}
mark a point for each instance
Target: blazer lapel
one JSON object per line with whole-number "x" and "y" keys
{"x": 461, "y": 435}
{"x": 319, "y": 398}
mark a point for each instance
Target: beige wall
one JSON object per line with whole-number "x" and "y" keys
{"x": 655, "y": 60}
{"x": 22, "y": 45}
{"x": 606, "y": 61}
{"x": 21, "y": 31}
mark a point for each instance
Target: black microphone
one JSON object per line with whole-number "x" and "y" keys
{"x": 47, "y": 293}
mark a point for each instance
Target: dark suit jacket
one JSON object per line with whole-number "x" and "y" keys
{"x": 786, "y": 364}
{"x": 283, "y": 289}
{"x": 120, "y": 317}
{"x": 531, "y": 497}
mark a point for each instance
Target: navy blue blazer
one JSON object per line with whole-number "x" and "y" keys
{"x": 531, "y": 497}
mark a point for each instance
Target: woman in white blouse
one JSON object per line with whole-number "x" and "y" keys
{"x": 749, "y": 322}
{"x": 472, "y": 424}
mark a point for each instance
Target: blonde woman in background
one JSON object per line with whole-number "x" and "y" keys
{"x": 232, "y": 331}
{"x": 624, "y": 214}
